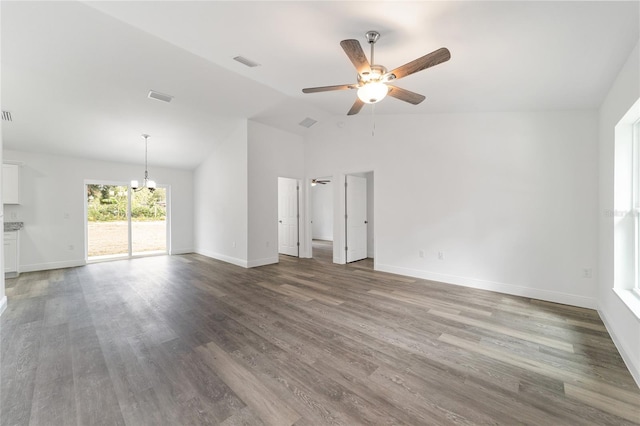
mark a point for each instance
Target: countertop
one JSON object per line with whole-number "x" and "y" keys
{"x": 13, "y": 226}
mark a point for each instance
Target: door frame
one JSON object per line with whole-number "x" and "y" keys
{"x": 339, "y": 224}
{"x": 312, "y": 207}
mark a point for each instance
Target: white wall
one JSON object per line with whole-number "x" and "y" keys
{"x": 622, "y": 324}
{"x": 507, "y": 197}
{"x": 272, "y": 153}
{"x": 322, "y": 211}
{"x": 53, "y": 198}
{"x": 220, "y": 200}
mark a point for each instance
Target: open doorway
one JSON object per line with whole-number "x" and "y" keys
{"x": 322, "y": 218}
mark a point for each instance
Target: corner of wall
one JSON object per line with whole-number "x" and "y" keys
{"x": 625, "y": 352}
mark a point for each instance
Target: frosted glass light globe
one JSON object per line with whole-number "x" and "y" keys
{"x": 372, "y": 93}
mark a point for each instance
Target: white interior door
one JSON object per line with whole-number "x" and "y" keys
{"x": 288, "y": 216}
{"x": 356, "y": 212}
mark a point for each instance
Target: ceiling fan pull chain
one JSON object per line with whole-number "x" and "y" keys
{"x": 373, "y": 120}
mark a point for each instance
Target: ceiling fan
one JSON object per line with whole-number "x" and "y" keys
{"x": 315, "y": 182}
{"x": 373, "y": 80}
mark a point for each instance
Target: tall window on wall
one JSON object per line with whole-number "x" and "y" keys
{"x": 625, "y": 214}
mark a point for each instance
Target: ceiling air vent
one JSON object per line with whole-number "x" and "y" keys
{"x": 308, "y": 122}
{"x": 6, "y": 116}
{"x": 247, "y": 62}
{"x": 159, "y": 96}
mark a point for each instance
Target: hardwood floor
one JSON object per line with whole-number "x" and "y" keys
{"x": 189, "y": 340}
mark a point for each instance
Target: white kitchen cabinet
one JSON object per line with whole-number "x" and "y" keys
{"x": 11, "y": 253}
{"x": 10, "y": 183}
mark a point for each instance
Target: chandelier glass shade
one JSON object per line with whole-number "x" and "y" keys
{"x": 146, "y": 183}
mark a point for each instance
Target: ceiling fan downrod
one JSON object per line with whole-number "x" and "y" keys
{"x": 372, "y": 37}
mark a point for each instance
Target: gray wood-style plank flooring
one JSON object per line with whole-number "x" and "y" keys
{"x": 188, "y": 340}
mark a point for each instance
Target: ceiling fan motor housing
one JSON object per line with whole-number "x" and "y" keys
{"x": 376, "y": 73}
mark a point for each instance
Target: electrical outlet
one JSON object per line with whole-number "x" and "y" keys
{"x": 421, "y": 253}
{"x": 587, "y": 273}
{"x": 71, "y": 247}
{"x": 267, "y": 243}
{"x": 233, "y": 244}
{"x": 440, "y": 255}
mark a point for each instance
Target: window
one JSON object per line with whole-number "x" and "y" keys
{"x": 636, "y": 202}
{"x": 626, "y": 209}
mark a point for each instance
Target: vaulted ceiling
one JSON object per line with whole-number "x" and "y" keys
{"x": 75, "y": 75}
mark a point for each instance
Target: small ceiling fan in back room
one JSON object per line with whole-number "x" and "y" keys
{"x": 373, "y": 80}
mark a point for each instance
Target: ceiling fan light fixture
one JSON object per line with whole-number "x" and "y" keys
{"x": 373, "y": 92}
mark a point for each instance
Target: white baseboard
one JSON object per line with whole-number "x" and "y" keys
{"x": 622, "y": 349}
{"x": 51, "y": 265}
{"x": 514, "y": 290}
{"x": 263, "y": 261}
{"x": 3, "y": 304}
{"x": 325, "y": 238}
{"x": 224, "y": 258}
{"x": 182, "y": 251}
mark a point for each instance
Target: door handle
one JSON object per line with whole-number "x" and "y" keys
{"x": 366, "y": 221}
{"x": 280, "y": 221}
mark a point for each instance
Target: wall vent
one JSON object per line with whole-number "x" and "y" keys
{"x": 6, "y": 116}
{"x": 247, "y": 62}
{"x": 159, "y": 96}
{"x": 308, "y": 122}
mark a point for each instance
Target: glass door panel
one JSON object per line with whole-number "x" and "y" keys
{"x": 148, "y": 221}
{"x": 107, "y": 223}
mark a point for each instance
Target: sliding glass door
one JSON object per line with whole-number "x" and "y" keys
{"x": 124, "y": 223}
{"x": 148, "y": 221}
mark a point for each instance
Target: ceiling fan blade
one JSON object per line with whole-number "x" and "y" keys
{"x": 357, "y": 106}
{"x": 354, "y": 51}
{"x": 434, "y": 58}
{"x": 405, "y": 95}
{"x": 329, "y": 88}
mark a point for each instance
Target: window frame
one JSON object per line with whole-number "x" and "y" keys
{"x": 635, "y": 128}
{"x": 626, "y": 209}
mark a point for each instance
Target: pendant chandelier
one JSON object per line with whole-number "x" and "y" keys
{"x": 147, "y": 183}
